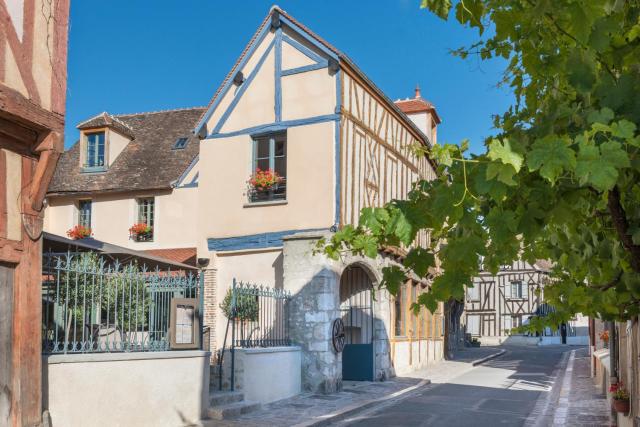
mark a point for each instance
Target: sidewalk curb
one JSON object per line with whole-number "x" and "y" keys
{"x": 487, "y": 358}
{"x": 325, "y": 420}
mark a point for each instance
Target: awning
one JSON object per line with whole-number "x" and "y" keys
{"x": 52, "y": 243}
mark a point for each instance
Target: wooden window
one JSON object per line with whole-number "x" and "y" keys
{"x": 84, "y": 213}
{"x": 95, "y": 149}
{"x": 516, "y": 290}
{"x": 146, "y": 215}
{"x": 473, "y": 293}
{"x": 400, "y": 312}
{"x": 270, "y": 154}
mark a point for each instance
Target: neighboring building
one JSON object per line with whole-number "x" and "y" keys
{"x": 33, "y": 60}
{"x": 295, "y": 104}
{"x": 497, "y": 304}
{"x": 131, "y": 169}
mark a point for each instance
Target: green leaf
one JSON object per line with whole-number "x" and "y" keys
{"x": 392, "y": 278}
{"x": 374, "y": 219}
{"x": 419, "y": 260}
{"x": 501, "y": 172}
{"x": 599, "y": 166}
{"x": 552, "y": 156}
{"x": 581, "y": 70}
{"x": 502, "y": 151}
{"x": 623, "y": 129}
{"x": 605, "y": 115}
{"x": 367, "y": 244}
{"x": 439, "y": 7}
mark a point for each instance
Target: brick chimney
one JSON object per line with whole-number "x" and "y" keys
{"x": 422, "y": 113}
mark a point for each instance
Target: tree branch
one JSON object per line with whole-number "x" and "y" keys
{"x": 620, "y": 223}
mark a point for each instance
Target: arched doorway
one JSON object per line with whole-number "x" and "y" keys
{"x": 356, "y": 310}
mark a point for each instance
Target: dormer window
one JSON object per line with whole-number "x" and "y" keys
{"x": 95, "y": 149}
{"x": 180, "y": 143}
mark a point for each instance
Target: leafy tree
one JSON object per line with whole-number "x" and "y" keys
{"x": 246, "y": 306}
{"x": 560, "y": 179}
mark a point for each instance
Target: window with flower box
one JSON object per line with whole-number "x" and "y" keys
{"x": 268, "y": 180}
{"x": 84, "y": 213}
{"x": 143, "y": 230}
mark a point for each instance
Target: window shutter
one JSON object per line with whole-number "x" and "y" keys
{"x": 507, "y": 290}
{"x": 507, "y": 323}
{"x": 525, "y": 290}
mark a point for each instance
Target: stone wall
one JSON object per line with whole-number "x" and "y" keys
{"x": 314, "y": 282}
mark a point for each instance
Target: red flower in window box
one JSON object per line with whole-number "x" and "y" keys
{"x": 79, "y": 232}
{"x": 140, "y": 229}
{"x": 264, "y": 180}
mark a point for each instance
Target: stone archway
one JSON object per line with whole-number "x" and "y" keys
{"x": 356, "y": 312}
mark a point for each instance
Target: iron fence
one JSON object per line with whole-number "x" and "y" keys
{"x": 90, "y": 304}
{"x": 260, "y": 316}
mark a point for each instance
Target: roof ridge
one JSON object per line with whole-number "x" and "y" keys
{"x": 91, "y": 118}
{"x": 160, "y": 111}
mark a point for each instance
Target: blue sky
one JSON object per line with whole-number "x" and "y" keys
{"x": 131, "y": 56}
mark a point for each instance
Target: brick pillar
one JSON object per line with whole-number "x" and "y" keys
{"x": 210, "y": 306}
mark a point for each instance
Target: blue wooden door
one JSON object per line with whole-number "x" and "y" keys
{"x": 356, "y": 306}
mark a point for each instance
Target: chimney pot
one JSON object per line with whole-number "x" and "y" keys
{"x": 418, "y": 96}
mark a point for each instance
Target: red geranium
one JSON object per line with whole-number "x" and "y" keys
{"x": 140, "y": 229}
{"x": 264, "y": 180}
{"x": 79, "y": 232}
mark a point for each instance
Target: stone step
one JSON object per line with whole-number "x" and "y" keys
{"x": 220, "y": 398}
{"x": 231, "y": 410}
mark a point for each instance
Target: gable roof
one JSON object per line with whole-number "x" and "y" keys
{"x": 276, "y": 11}
{"x": 105, "y": 119}
{"x": 148, "y": 162}
{"x": 418, "y": 105}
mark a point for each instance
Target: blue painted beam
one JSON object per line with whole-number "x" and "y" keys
{"x": 252, "y": 47}
{"x": 254, "y": 241}
{"x": 303, "y": 49}
{"x": 305, "y": 68}
{"x": 275, "y": 127}
{"x": 243, "y": 88}
{"x": 306, "y": 36}
{"x": 337, "y": 147}
{"x": 278, "y": 76}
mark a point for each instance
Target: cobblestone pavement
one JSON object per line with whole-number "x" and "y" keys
{"x": 575, "y": 400}
{"x": 309, "y": 407}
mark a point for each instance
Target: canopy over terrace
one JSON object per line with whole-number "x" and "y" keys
{"x": 52, "y": 243}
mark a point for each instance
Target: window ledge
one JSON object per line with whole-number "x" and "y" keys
{"x": 93, "y": 169}
{"x": 268, "y": 203}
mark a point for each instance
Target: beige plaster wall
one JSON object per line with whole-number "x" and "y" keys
{"x": 115, "y": 144}
{"x": 246, "y": 70}
{"x": 113, "y": 215}
{"x": 293, "y": 58}
{"x": 13, "y": 192}
{"x": 308, "y": 94}
{"x": 258, "y": 267}
{"x": 225, "y": 211}
{"x": 126, "y": 389}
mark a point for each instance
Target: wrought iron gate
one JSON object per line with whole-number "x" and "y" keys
{"x": 356, "y": 307}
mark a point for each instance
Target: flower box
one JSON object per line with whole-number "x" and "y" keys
{"x": 266, "y": 186}
{"x": 79, "y": 232}
{"x": 141, "y": 232}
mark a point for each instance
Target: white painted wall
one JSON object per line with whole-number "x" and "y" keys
{"x": 126, "y": 389}
{"x": 113, "y": 214}
{"x": 269, "y": 374}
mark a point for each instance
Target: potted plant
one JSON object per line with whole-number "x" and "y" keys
{"x": 79, "y": 232}
{"x": 604, "y": 336}
{"x": 262, "y": 183}
{"x": 620, "y": 398}
{"x": 140, "y": 231}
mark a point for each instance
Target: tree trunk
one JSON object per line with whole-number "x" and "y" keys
{"x": 453, "y": 334}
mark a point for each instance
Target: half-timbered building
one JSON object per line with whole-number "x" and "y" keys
{"x": 33, "y": 58}
{"x": 297, "y": 106}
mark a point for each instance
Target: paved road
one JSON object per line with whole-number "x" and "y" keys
{"x": 501, "y": 392}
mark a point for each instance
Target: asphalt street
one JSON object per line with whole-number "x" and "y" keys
{"x": 500, "y": 392}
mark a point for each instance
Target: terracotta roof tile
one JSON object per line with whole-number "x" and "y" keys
{"x": 183, "y": 255}
{"x": 148, "y": 162}
{"x": 417, "y": 105}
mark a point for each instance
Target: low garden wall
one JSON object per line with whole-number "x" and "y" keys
{"x": 134, "y": 389}
{"x": 267, "y": 374}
